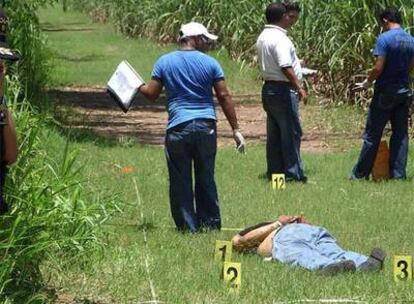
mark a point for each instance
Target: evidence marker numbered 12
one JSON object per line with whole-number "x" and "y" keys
{"x": 232, "y": 274}
{"x": 223, "y": 251}
{"x": 278, "y": 181}
{"x": 403, "y": 268}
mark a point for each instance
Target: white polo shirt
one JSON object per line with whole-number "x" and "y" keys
{"x": 276, "y": 51}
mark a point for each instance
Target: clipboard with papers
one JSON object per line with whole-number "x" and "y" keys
{"x": 124, "y": 84}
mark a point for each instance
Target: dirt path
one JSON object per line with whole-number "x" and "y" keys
{"x": 92, "y": 109}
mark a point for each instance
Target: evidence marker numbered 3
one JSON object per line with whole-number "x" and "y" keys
{"x": 403, "y": 268}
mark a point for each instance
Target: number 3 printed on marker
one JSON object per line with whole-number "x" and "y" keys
{"x": 403, "y": 268}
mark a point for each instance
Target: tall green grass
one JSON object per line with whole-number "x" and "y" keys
{"x": 334, "y": 36}
{"x": 52, "y": 219}
{"x": 25, "y": 36}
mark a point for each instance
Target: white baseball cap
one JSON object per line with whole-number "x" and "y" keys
{"x": 195, "y": 29}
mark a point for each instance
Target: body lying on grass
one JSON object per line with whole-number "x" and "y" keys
{"x": 296, "y": 242}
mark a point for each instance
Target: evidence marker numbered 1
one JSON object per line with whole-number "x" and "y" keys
{"x": 223, "y": 251}
{"x": 232, "y": 274}
{"x": 278, "y": 181}
{"x": 403, "y": 268}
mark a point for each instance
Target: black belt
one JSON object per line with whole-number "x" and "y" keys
{"x": 279, "y": 82}
{"x": 209, "y": 121}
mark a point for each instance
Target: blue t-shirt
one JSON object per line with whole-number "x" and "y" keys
{"x": 188, "y": 77}
{"x": 397, "y": 46}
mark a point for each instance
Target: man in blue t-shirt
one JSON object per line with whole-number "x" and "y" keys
{"x": 394, "y": 52}
{"x": 189, "y": 77}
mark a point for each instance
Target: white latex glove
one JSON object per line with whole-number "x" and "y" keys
{"x": 361, "y": 85}
{"x": 240, "y": 142}
{"x": 309, "y": 72}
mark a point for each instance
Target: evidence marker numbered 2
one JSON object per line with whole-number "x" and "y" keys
{"x": 278, "y": 181}
{"x": 223, "y": 251}
{"x": 232, "y": 274}
{"x": 403, "y": 268}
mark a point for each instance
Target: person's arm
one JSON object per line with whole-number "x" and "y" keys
{"x": 290, "y": 74}
{"x": 9, "y": 133}
{"x": 151, "y": 90}
{"x": 376, "y": 70}
{"x": 283, "y": 56}
{"x": 261, "y": 237}
{"x": 226, "y": 102}
{"x": 10, "y": 140}
{"x": 254, "y": 238}
{"x": 265, "y": 247}
{"x": 373, "y": 75}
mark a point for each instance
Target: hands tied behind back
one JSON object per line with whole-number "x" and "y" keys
{"x": 288, "y": 219}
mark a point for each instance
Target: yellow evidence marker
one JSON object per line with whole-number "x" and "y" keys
{"x": 403, "y": 268}
{"x": 223, "y": 251}
{"x": 278, "y": 181}
{"x": 232, "y": 274}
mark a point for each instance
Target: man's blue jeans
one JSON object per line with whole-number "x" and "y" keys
{"x": 311, "y": 247}
{"x": 193, "y": 143}
{"x": 284, "y": 132}
{"x": 376, "y": 121}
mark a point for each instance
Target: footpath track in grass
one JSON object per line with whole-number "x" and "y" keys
{"x": 92, "y": 110}
{"x": 181, "y": 267}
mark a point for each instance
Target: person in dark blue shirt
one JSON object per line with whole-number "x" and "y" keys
{"x": 189, "y": 77}
{"x": 394, "y": 52}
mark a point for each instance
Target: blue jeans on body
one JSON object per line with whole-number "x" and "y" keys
{"x": 193, "y": 143}
{"x": 310, "y": 247}
{"x": 382, "y": 109}
{"x": 281, "y": 103}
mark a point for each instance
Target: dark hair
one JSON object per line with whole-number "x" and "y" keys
{"x": 275, "y": 11}
{"x": 292, "y": 6}
{"x": 391, "y": 14}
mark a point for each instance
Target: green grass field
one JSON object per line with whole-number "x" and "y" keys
{"x": 146, "y": 260}
{"x": 360, "y": 214}
{"x": 87, "y": 53}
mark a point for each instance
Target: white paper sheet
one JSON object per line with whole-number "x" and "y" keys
{"x": 124, "y": 84}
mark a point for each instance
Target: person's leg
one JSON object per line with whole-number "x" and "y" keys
{"x": 271, "y": 98}
{"x": 178, "y": 153}
{"x": 206, "y": 198}
{"x": 293, "y": 245}
{"x": 376, "y": 122}
{"x": 399, "y": 142}
{"x": 291, "y": 139}
{"x": 327, "y": 246}
{"x": 273, "y": 148}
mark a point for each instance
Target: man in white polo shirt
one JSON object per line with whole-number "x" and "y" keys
{"x": 281, "y": 92}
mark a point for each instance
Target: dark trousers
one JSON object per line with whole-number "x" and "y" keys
{"x": 193, "y": 143}
{"x": 284, "y": 132}
{"x": 378, "y": 116}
